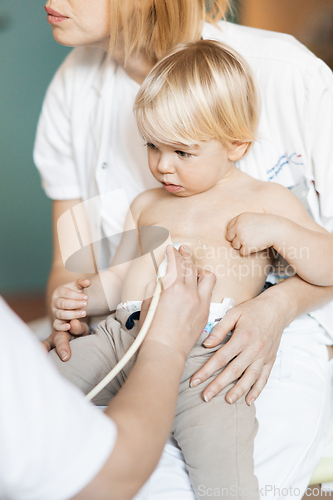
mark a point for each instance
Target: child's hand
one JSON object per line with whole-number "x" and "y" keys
{"x": 68, "y": 306}
{"x": 252, "y": 232}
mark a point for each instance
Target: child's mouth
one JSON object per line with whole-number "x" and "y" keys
{"x": 171, "y": 188}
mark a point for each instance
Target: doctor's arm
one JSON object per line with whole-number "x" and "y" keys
{"x": 142, "y": 416}
{"x": 88, "y": 456}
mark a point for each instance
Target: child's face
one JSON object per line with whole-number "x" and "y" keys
{"x": 188, "y": 170}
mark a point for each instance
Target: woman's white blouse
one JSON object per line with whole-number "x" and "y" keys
{"x": 88, "y": 145}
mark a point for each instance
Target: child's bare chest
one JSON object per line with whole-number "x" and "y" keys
{"x": 197, "y": 220}
{"x": 200, "y": 222}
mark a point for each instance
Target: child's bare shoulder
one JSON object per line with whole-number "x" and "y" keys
{"x": 143, "y": 200}
{"x": 277, "y": 199}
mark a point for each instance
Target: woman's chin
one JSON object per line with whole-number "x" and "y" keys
{"x": 63, "y": 38}
{"x": 68, "y": 40}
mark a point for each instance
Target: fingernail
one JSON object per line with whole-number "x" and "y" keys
{"x": 82, "y": 313}
{"x": 208, "y": 396}
{"x": 83, "y": 304}
{"x": 85, "y": 297}
{"x": 209, "y": 341}
{"x": 186, "y": 248}
{"x": 195, "y": 383}
{"x": 251, "y": 401}
{"x": 63, "y": 355}
{"x": 231, "y": 399}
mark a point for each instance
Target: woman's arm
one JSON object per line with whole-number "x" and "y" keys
{"x": 59, "y": 274}
{"x": 309, "y": 252}
{"x": 258, "y": 326}
{"x": 84, "y": 297}
{"x": 290, "y": 231}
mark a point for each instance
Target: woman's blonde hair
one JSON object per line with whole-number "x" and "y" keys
{"x": 156, "y": 26}
{"x": 200, "y": 91}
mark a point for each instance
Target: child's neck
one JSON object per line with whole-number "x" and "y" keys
{"x": 233, "y": 174}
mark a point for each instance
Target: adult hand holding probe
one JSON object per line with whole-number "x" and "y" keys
{"x": 143, "y": 410}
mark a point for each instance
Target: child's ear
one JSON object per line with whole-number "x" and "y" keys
{"x": 237, "y": 150}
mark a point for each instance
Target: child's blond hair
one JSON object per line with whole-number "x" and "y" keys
{"x": 156, "y": 26}
{"x": 200, "y": 91}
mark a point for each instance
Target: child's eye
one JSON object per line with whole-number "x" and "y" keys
{"x": 150, "y": 145}
{"x": 182, "y": 154}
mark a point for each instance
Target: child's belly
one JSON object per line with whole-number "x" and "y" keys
{"x": 240, "y": 278}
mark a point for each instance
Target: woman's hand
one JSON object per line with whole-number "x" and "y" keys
{"x": 68, "y": 304}
{"x": 258, "y": 325}
{"x": 184, "y": 303}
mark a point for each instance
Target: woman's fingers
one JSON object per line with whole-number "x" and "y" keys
{"x": 48, "y": 343}
{"x": 79, "y": 328}
{"x": 249, "y": 355}
{"x": 174, "y": 267}
{"x": 244, "y": 384}
{"x": 59, "y": 341}
{"x": 257, "y": 388}
{"x": 190, "y": 272}
{"x": 238, "y": 352}
{"x": 206, "y": 283}
{"x": 235, "y": 369}
{"x": 219, "y": 360}
{"x": 181, "y": 306}
{"x": 223, "y": 327}
{"x": 61, "y": 344}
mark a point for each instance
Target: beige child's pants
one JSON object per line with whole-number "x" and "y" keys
{"x": 216, "y": 438}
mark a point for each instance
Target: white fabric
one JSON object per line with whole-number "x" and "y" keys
{"x": 87, "y": 145}
{"x": 52, "y": 441}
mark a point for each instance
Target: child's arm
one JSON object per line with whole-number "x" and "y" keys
{"x": 84, "y": 297}
{"x": 287, "y": 228}
{"x": 100, "y": 294}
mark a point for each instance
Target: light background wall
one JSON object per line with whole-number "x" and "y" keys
{"x": 28, "y": 59}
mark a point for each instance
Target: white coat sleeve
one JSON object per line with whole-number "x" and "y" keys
{"x": 52, "y": 441}
{"x": 319, "y": 127}
{"x": 53, "y": 151}
{"x": 319, "y": 137}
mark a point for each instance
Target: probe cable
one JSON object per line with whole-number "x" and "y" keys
{"x": 136, "y": 344}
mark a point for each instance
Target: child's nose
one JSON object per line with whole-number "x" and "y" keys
{"x": 165, "y": 164}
